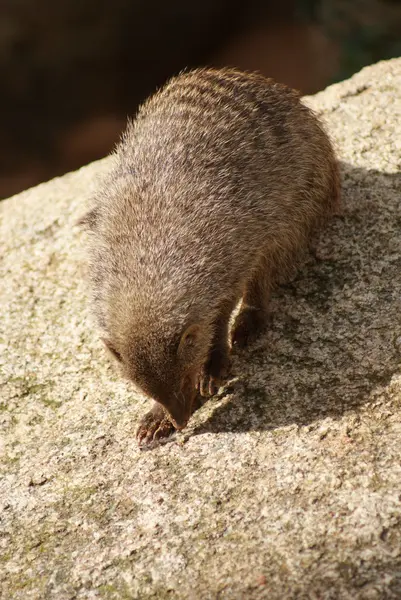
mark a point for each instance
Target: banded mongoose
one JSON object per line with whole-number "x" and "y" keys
{"x": 215, "y": 190}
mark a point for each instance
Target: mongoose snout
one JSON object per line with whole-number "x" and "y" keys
{"x": 213, "y": 195}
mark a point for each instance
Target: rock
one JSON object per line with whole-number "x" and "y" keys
{"x": 285, "y": 486}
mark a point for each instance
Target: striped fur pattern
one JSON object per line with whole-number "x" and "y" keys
{"x": 216, "y": 188}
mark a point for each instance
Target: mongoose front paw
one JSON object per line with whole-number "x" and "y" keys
{"x": 155, "y": 425}
{"x": 213, "y": 373}
{"x": 247, "y": 326}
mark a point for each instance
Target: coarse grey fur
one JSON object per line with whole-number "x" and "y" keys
{"x": 217, "y": 186}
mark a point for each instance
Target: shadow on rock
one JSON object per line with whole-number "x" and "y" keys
{"x": 335, "y": 333}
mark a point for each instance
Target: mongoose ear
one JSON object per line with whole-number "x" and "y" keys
{"x": 111, "y": 349}
{"x": 189, "y": 338}
{"x": 88, "y": 221}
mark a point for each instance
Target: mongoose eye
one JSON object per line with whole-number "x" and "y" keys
{"x": 189, "y": 338}
{"x": 111, "y": 349}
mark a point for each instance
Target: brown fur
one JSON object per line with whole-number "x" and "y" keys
{"x": 216, "y": 188}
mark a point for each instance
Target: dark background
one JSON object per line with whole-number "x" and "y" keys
{"x": 72, "y": 70}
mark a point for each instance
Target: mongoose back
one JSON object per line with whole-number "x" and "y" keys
{"x": 214, "y": 192}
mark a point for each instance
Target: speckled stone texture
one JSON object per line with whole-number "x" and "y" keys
{"x": 287, "y": 485}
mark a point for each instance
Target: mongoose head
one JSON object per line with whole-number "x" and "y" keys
{"x": 165, "y": 367}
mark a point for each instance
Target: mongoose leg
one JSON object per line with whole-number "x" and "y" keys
{"x": 253, "y": 314}
{"x": 156, "y": 425}
{"x": 215, "y": 370}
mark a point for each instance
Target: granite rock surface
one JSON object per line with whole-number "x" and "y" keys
{"x": 285, "y": 486}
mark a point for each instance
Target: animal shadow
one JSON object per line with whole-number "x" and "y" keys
{"x": 335, "y": 332}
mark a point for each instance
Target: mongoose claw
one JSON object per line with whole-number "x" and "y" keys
{"x": 155, "y": 425}
{"x": 213, "y": 374}
{"x": 208, "y": 385}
